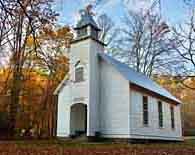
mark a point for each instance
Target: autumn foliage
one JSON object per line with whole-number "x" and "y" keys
{"x": 41, "y": 75}
{"x": 177, "y": 87}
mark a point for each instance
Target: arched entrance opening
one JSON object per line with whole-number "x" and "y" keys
{"x": 78, "y": 119}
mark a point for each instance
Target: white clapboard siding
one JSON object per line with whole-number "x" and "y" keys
{"x": 153, "y": 131}
{"x": 114, "y": 106}
{"x": 63, "y": 112}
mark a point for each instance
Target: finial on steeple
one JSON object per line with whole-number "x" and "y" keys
{"x": 86, "y": 18}
{"x": 89, "y": 10}
{"x": 86, "y": 25}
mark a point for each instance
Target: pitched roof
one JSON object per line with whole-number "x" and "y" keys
{"x": 138, "y": 78}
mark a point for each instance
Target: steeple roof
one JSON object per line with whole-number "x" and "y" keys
{"x": 86, "y": 18}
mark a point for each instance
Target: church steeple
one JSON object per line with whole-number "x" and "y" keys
{"x": 86, "y": 26}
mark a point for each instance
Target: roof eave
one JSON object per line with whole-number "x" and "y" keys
{"x": 89, "y": 24}
{"x": 88, "y": 37}
{"x": 152, "y": 93}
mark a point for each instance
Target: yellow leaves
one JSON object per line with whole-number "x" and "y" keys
{"x": 63, "y": 32}
{"x": 5, "y": 74}
{"x": 62, "y": 60}
{"x": 61, "y": 68}
{"x": 1, "y": 71}
{"x": 48, "y": 32}
{"x": 30, "y": 41}
{"x": 60, "y": 34}
{"x": 162, "y": 81}
{"x": 174, "y": 85}
{"x": 190, "y": 82}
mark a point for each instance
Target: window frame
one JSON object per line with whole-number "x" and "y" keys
{"x": 145, "y": 111}
{"x": 78, "y": 70}
{"x": 172, "y": 110}
{"x": 160, "y": 114}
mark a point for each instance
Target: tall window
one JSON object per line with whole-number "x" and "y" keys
{"x": 145, "y": 110}
{"x": 172, "y": 117}
{"x": 79, "y": 74}
{"x": 160, "y": 114}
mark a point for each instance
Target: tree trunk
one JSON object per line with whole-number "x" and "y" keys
{"x": 15, "y": 97}
{"x": 17, "y": 75}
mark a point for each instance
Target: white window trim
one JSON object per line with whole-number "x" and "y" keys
{"x": 77, "y": 67}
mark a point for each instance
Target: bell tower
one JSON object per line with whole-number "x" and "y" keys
{"x": 86, "y": 26}
{"x": 84, "y": 68}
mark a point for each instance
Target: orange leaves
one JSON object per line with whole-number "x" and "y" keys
{"x": 5, "y": 78}
{"x": 48, "y": 32}
{"x": 62, "y": 67}
{"x": 190, "y": 82}
{"x": 174, "y": 85}
{"x": 63, "y": 32}
{"x": 4, "y": 73}
{"x": 30, "y": 41}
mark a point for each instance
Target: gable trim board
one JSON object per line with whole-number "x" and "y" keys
{"x": 139, "y": 81}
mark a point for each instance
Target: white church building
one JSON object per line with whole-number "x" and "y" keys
{"x": 102, "y": 96}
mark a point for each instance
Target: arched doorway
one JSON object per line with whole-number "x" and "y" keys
{"x": 78, "y": 119}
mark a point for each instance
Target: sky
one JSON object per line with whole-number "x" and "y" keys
{"x": 173, "y": 11}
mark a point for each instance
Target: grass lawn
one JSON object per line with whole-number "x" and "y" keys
{"x": 73, "y": 144}
{"x": 71, "y": 147}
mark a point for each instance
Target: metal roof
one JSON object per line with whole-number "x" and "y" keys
{"x": 138, "y": 78}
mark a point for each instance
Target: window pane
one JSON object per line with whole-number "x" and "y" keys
{"x": 79, "y": 74}
{"x": 172, "y": 117}
{"x": 145, "y": 110}
{"x": 160, "y": 114}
